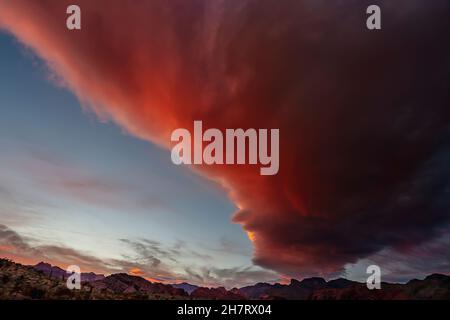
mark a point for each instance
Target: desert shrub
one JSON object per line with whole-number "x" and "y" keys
{"x": 36, "y": 293}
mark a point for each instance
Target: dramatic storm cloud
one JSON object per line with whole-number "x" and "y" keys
{"x": 363, "y": 116}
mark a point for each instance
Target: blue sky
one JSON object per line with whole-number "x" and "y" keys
{"x": 70, "y": 180}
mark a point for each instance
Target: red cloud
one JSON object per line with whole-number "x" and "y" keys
{"x": 361, "y": 115}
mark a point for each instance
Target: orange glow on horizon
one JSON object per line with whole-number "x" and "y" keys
{"x": 152, "y": 280}
{"x": 136, "y": 272}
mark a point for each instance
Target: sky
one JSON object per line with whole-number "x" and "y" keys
{"x": 86, "y": 118}
{"x": 71, "y": 181}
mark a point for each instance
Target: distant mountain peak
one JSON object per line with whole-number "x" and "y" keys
{"x": 42, "y": 263}
{"x": 189, "y": 288}
{"x": 57, "y": 272}
{"x": 43, "y": 281}
{"x": 313, "y": 283}
{"x": 436, "y": 276}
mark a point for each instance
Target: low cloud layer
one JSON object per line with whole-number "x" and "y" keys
{"x": 363, "y": 116}
{"x": 143, "y": 257}
{"x": 20, "y": 248}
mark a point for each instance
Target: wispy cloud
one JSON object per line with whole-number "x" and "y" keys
{"x": 146, "y": 258}
{"x": 21, "y": 248}
{"x": 232, "y": 277}
{"x": 65, "y": 179}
